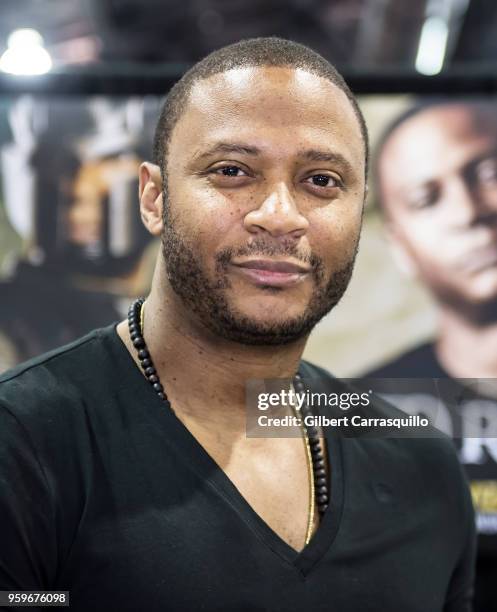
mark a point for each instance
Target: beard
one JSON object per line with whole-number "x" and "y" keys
{"x": 480, "y": 313}
{"x": 207, "y": 298}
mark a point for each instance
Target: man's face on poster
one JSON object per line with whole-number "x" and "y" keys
{"x": 438, "y": 186}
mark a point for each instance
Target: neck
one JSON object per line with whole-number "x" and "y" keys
{"x": 466, "y": 347}
{"x": 213, "y": 370}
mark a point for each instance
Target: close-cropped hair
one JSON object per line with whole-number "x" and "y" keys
{"x": 254, "y": 52}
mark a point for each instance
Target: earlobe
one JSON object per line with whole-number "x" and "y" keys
{"x": 150, "y": 193}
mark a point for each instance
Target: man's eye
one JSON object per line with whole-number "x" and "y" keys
{"x": 486, "y": 171}
{"x": 229, "y": 171}
{"x": 323, "y": 180}
{"x": 423, "y": 197}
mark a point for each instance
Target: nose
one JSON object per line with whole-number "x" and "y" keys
{"x": 278, "y": 215}
{"x": 465, "y": 203}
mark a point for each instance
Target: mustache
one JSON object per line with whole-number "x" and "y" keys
{"x": 263, "y": 246}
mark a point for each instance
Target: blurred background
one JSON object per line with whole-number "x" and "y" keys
{"x": 357, "y": 35}
{"x": 81, "y": 84}
{"x": 88, "y": 75}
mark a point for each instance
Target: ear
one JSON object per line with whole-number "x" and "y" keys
{"x": 400, "y": 254}
{"x": 151, "y": 200}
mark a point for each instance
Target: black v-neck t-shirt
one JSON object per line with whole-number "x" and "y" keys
{"x": 104, "y": 493}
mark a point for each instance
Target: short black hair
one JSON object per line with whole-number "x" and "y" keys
{"x": 478, "y": 105}
{"x": 269, "y": 51}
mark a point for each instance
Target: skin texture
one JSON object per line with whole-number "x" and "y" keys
{"x": 206, "y": 331}
{"x": 438, "y": 185}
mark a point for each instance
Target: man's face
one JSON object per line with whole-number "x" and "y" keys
{"x": 438, "y": 183}
{"x": 265, "y": 189}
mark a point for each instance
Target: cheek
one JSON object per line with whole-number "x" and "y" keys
{"x": 333, "y": 234}
{"x": 201, "y": 209}
{"x": 488, "y": 194}
{"x": 427, "y": 242}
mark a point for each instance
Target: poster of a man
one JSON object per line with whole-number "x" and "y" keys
{"x": 436, "y": 179}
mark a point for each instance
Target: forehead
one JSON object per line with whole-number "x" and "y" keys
{"x": 435, "y": 142}
{"x": 267, "y": 102}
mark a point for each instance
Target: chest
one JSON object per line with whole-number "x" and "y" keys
{"x": 161, "y": 526}
{"x": 273, "y": 479}
{"x": 172, "y": 541}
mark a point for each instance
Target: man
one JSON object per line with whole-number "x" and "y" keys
{"x": 133, "y": 495}
{"x": 436, "y": 170}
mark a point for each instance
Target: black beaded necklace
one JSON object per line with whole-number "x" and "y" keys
{"x": 318, "y": 465}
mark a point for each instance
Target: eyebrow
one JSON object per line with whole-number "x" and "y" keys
{"x": 229, "y": 147}
{"x": 328, "y": 156}
{"x": 315, "y": 155}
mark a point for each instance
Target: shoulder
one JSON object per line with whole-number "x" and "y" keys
{"x": 425, "y": 451}
{"x": 57, "y": 378}
{"x": 50, "y": 409}
{"x": 310, "y": 370}
{"x": 418, "y": 361}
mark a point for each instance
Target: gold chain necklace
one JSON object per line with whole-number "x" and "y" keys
{"x": 310, "y": 521}
{"x": 312, "y": 492}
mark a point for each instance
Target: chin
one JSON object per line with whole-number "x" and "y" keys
{"x": 480, "y": 290}
{"x": 478, "y": 304}
{"x": 484, "y": 297}
{"x": 484, "y": 307}
{"x": 484, "y": 288}
{"x": 276, "y": 314}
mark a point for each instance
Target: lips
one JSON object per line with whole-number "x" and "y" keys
{"x": 481, "y": 259}
{"x": 273, "y": 266}
{"x": 271, "y": 272}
